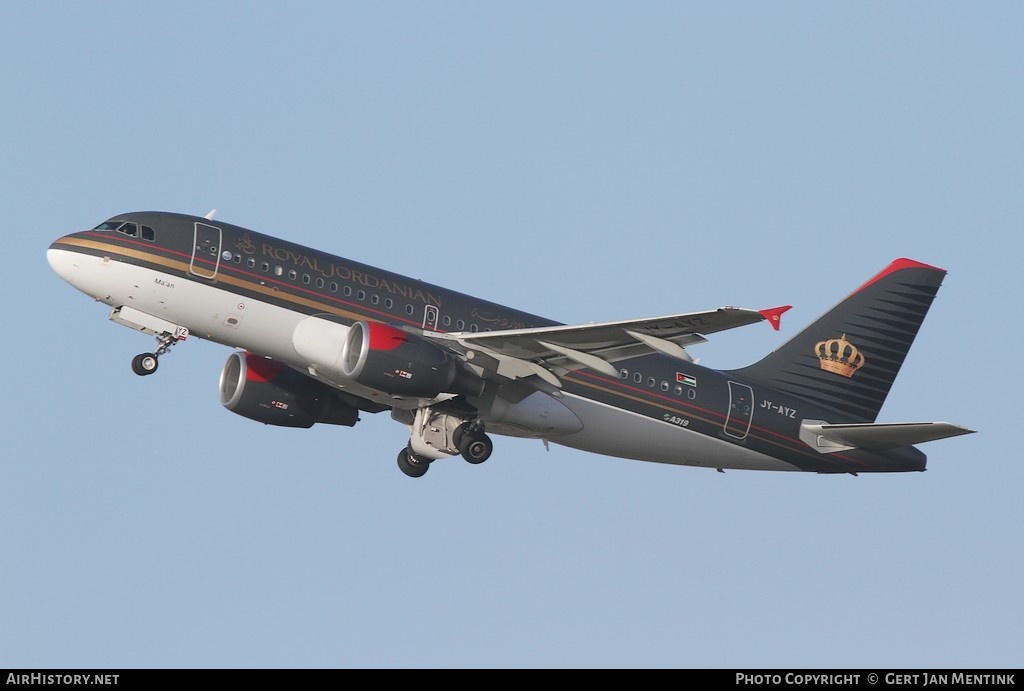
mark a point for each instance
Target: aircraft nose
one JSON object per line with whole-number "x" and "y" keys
{"x": 63, "y": 262}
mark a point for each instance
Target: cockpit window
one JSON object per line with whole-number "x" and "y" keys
{"x": 129, "y": 228}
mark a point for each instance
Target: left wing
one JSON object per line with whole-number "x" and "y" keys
{"x": 550, "y": 351}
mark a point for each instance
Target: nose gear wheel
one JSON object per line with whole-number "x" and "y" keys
{"x": 145, "y": 364}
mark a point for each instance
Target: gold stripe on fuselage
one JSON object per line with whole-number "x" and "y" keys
{"x": 183, "y": 267}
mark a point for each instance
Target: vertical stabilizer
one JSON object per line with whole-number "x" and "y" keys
{"x": 848, "y": 358}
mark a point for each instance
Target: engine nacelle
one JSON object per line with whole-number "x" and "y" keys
{"x": 273, "y": 393}
{"x": 397, "y": 362}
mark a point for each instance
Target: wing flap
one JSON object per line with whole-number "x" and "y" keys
{"x": 586, "y": 359}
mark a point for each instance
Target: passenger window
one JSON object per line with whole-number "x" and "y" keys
{"x": 650, "y": 382}
{"x": 447, "y": 321}
{"x": 389, "y": 303}
{"x": 306, "y": 279}
{"x": 319, "y": 283}
{"x": 265, "y": 266}
{"x": 474, "y": 328}
{"x": 679, "y": 389}
{"x": 637, "y": 377}
{"x": 292, "y": 274}
{"x": 361, "y": 295}
{"x": 279, "y": 270}
{"x": 334, "y": 287}
{"x": 460, "y": 325}
{"x": 623, "y": 374}
{"x": 347, "y": 291}
{"x": 251, "y": 262}
{"x": 408, "y": 309}
{"x": 375, "y": 298}
{"x": 664, "y": 386}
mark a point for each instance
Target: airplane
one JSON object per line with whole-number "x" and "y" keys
{"x": 319, "y": 338}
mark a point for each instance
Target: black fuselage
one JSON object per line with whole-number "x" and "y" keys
{"x": 660, "y": 388}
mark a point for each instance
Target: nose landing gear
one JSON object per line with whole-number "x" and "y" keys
{"x": 144, "y": 364}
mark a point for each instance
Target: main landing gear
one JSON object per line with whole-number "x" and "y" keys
{"x": 413, "y": 465}
{"x": 435, "y": 435}
{"x": 472, "y": 443}
{"x": 146, "y": 363}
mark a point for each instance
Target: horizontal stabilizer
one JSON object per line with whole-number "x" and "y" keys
{"x": 825, "y": 437}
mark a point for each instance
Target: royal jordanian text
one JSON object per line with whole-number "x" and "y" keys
{"x": 330, "y": 270}
{"x": 65, "y": 679}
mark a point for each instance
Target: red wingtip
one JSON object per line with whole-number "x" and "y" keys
{"x": 774, "y": 315}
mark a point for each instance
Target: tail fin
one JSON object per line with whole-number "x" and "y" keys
{"x": 848, "y": 358}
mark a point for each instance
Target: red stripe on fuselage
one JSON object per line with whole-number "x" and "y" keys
{"x": 711, "y": 417}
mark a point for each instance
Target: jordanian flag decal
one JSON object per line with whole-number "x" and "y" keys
{"x": 686, "y": 379}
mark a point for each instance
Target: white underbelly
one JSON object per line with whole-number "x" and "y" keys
{"x": 207, "y": 310}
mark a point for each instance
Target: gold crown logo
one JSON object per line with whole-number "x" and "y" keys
{"x": 839, "y": 356}
{"x": 245, "y": 244}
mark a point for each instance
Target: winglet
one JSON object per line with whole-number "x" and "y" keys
{"x": 774, "y": 315}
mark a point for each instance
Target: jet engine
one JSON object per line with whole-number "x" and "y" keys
{"x": 400, "y": 363}
{"x": 273, "y": 393}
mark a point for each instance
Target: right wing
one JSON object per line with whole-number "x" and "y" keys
{"x": 549, "y": 352}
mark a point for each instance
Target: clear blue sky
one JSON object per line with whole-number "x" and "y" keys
{"x": 582, "y": 160}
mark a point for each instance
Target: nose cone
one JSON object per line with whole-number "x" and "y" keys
{"x": 63, "y": 262}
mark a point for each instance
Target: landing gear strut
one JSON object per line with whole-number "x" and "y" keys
{"x": 146, "y": 363}
{"x": 441, "y": 433}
